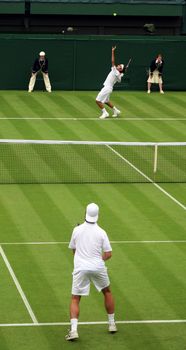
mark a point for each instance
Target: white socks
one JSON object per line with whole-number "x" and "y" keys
{"x": 111, "y": 318}
{"x": 104, "y": 111}
{"x": 74, "y": 323}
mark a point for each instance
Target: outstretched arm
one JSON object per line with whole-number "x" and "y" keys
{"x": 113, "y": 56}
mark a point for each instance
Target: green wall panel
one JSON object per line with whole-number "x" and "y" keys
{"x": 107, "y": 9}
{"x": 12, "y": 7}
{"x": 82, "y": 63}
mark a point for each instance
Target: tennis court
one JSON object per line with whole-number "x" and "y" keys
{"x": 145, "y": 221}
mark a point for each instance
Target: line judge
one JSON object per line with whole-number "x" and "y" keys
{"x": 40, "y": 65}
{"x": 155, "y": 73}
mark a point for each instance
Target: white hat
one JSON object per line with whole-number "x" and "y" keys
{"x": 42, "y": 53}
{"x": 92, "y": 211}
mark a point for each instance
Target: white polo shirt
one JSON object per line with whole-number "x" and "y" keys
{"x": 113, "y": 77}
{"x": 89, "y": 241}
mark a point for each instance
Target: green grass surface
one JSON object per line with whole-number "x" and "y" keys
{"x": 81, "y": 105}
{"x": 148, "y": 279}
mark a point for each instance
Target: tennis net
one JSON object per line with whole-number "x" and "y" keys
{"x": 47, "y": 161}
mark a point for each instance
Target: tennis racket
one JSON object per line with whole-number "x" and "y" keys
{"x": 128, "y": 64}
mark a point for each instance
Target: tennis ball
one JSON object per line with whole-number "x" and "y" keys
{"x": 114, "y": 14}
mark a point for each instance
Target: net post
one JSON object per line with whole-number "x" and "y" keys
{"x": 155, "y": 157}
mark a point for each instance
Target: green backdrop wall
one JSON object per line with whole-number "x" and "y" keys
{"x": 82, "y": 63}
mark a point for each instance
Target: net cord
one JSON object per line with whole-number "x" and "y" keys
{"x": 70, "y": 142}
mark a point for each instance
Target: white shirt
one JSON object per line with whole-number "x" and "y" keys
{"x": 113, "y": 77}
{"x": 89, "y": 241}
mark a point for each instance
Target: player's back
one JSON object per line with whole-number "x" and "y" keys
{"x": 89, "y": 240}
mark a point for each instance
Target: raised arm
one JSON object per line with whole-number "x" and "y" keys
{"x": 113, "y": 56}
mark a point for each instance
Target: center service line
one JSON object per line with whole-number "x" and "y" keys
{"x": 22, "y": 294}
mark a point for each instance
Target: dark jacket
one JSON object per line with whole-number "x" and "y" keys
{"x": 40, "y": 65}
{"x": 158, "y": 66}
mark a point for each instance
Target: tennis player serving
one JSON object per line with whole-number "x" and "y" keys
{"x": 113, "y": 77}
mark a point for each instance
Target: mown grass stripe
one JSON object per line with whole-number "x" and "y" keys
{"x": 177, "y": 105}
{"x": 111, "y": 131}
{"x": 146, "y": 106}
{"x": 29, "y": 223}
{"x": 6, "y": 107}
{"x": 163, "y": 108}
{"x": 160, "y": 271}
{"x": 141, "y": 222}
{"x": 131, "y": 107}
{"x": 24, "y": 106}
{"x": 169, "y": 130}
{"x": 88, "y": 106}
{"x": 48, "y": 105}
{"x": 37, "y": 104}
{"x": 75, "y": 106}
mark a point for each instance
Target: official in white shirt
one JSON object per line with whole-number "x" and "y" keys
{"x": 104, "y": 95}
{"x": 91, "y": 248}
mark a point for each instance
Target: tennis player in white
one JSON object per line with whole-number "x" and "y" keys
{"x": 91, "y": 248}
{"x": 104, "y": 95}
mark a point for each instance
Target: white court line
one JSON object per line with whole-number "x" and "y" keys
{"x": 89, "y": 323}
{"x": 35, "y": 243}
{"x": 112, "y": 242}
{"x": 22, "y": 294}
{"x": 147, "y": 242}
{"x": 93, "y": 119}
{"x": 148, "y": 178}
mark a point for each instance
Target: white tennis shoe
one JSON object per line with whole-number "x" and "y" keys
{"x": 72, "y": 335}
{"x": 161, "y": 92}
{"x": 112, "y": 328}
{"x": 104, "y": 115}
{"x": 116, "y": 113}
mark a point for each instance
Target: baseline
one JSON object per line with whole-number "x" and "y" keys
{"x": 89, "y": 323}
{"x": 93, "y": 119}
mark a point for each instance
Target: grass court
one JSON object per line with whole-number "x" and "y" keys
{"x": 145, "y": 223}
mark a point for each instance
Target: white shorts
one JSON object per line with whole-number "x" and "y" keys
{"x": 104, "y": 95}
{"x": 82, "y": 279}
